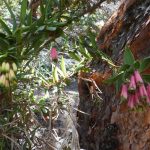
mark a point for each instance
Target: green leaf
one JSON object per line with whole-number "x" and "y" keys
{"x": 92, "y": 37}
{"x": 63, "y": 66}
{"x": 4, "y": 44}
{"x": 84, "y": 52}
{"x": 128, "y": 57}
{"x": 51, "y": 28}
{"x": 3, "y": 56}
{"x": 57, "y": 24}
{"x": 43, "y": 11}
{"x": 60, "y": 72}
{"x": 29, "y": 18}
{"x": 144, "y": 64}
{"x": 48, "y": 8}
{"x": 114, "y": 78}
{"x": 136, "y": 64}
{"x": 41, "y": 28}
{"x": 105, "y": 57}
{"x": 79, "y": 67}
{"x": 124, "y": 67}
{"x": 55, "y": 75}
{"x": 12, "y": 15}
{"x": 146, "y": 77}
{"x": 119, "y": 82}
{"x": 2, "y": 35}
{"x": 74, "y": 56}
{"x": 23, "y": 11}
{"x": 5, "y": 27}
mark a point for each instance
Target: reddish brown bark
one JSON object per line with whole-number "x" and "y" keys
{"x": 110, "y": 126}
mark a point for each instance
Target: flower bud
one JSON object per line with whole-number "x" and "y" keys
{"x": 6, "y": 83}
{"x": 2, "y": 79}
{"x": 138, "y": 78}
{"x": 132, "y": 85}
{"x": 124, "y": 91}
{"x": 11, "y": 74}
{"x": 3, "y": 66}
{"x": 148, "y": 91}
{"x": 14, "y": 66}
{"x": 7, "y": 76}
{"x": 143, "y": 92}
{"x": 7, "y": 67}
{"x": 53, "y": 54}
{"x": 131, "y": 101}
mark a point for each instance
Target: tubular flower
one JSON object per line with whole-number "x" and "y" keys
{"x": 131, "y": 101}
{"x": 138, "y": 78}
{"x": 148, "y": 93}
{"x": 148, "y": 90}
{"x": 53, "y": 54}
{"x": 137, "y": 97}
{"x": 143, "y": 92}
{"x": 132, "y": 85}
{"x": 124, "y": 91}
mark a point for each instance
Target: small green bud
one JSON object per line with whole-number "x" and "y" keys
{"x": 2, "y": 79}
{"x": 3, "y": 66}
{"x": 11, "y": 74}
{"x": 14, "y": 66}
{"x": 7, "y": 67}
{"x": 7, "y": 76}
{"x": 6, "y": 83}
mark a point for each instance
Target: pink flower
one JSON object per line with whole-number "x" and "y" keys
{"x": 53, "y": 54}
{"x": 124, "y": 91}
{"x": 138, "y": 78}
{"x": 148, "y": 100}
{"x": 143, "y": 92}
{"x": 131, "y": 101}
{"x": 148, "y": 90}
{"x": 132, "y": 85}
{"x": 148, "y": 93}
{"x": 137, "y": 96}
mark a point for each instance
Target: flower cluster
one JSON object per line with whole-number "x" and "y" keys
{"x": 135, "y": 90}
{"x": 7, "y": 73}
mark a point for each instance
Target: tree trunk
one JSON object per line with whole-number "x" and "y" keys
{"x": 106, "y": 125}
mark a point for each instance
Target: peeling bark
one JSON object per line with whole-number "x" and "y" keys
{"x": 110, "y": 126}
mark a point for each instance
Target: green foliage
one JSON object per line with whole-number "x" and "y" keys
{"x": 22, "y": 38}
{"x": 127, "y": 68}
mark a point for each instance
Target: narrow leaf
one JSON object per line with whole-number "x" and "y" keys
{"x": 29, "y": 18}
{"x": 74, "y": 56}
{"x": 4, "y": 44}
{"x": 114, "y": 78}
{"x": 56, "y": 78}
{"x": 128, "y": 57}
{"x": 48, "y": 8}
{"x": 84, "y": 52}
{"x": 63, "y": 66}
{"x": 51, "y": 28}
{"x": 60, "y": 72}
{"x": 145, "y": 63}
{"x": 23, "y": 11}
{"x": 12, "y": 15}
{"x": 43, "y": 11}
{"x": 5, "y": 27}
{"x": 3, "y": 56}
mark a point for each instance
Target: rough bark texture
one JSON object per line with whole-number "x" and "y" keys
{"x": 108, "y": 125}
